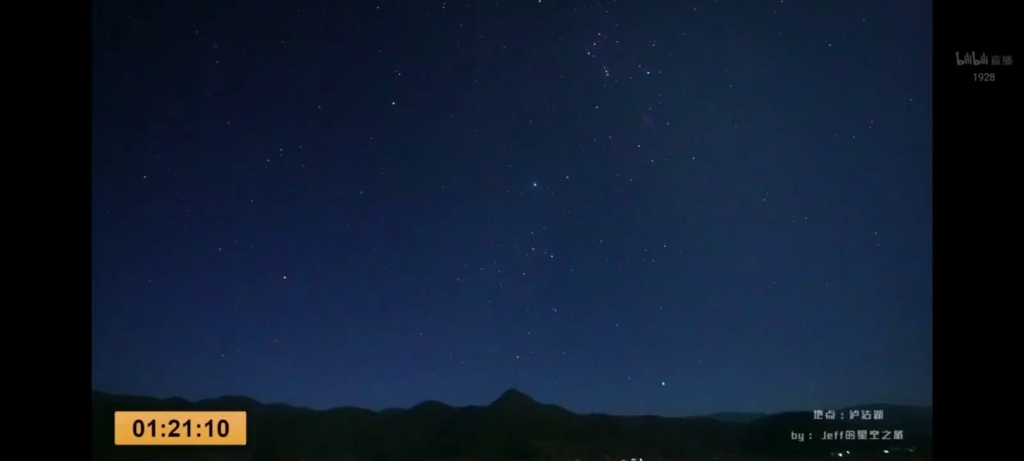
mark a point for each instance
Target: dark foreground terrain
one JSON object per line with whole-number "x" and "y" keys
{"x": 514, "y": 427}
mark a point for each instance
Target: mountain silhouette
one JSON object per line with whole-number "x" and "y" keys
{"x": 513, "y": 399}
{"x": 431, "y": 405}
{"x": 512, "y": 427}
{"x": 736, "y": 417}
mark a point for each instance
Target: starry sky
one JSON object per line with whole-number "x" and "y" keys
{"x": 661, "y": 207}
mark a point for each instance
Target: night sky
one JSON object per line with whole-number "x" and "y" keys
{"x": 667, "y": 207}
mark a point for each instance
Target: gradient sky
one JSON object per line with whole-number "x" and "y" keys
{"x": 631, "y": 207}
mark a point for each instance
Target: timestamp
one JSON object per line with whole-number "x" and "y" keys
{"x": 179, "y": 428}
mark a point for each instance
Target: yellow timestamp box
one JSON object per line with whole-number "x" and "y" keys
{"x": 179, "y": 428}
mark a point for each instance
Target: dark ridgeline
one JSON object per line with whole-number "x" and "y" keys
{"x": 513, "y": 427}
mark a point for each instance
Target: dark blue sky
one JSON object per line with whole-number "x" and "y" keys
{"x": 629, "y": 207}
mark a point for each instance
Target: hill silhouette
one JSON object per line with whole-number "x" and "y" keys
{"x": 512, "y": 427}
{"x": 737, "y": 417}
{"x": 513, "y": 398}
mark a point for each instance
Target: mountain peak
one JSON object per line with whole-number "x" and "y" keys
{"x": 431, "y": 405}
{"x": 514, "y": 398}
